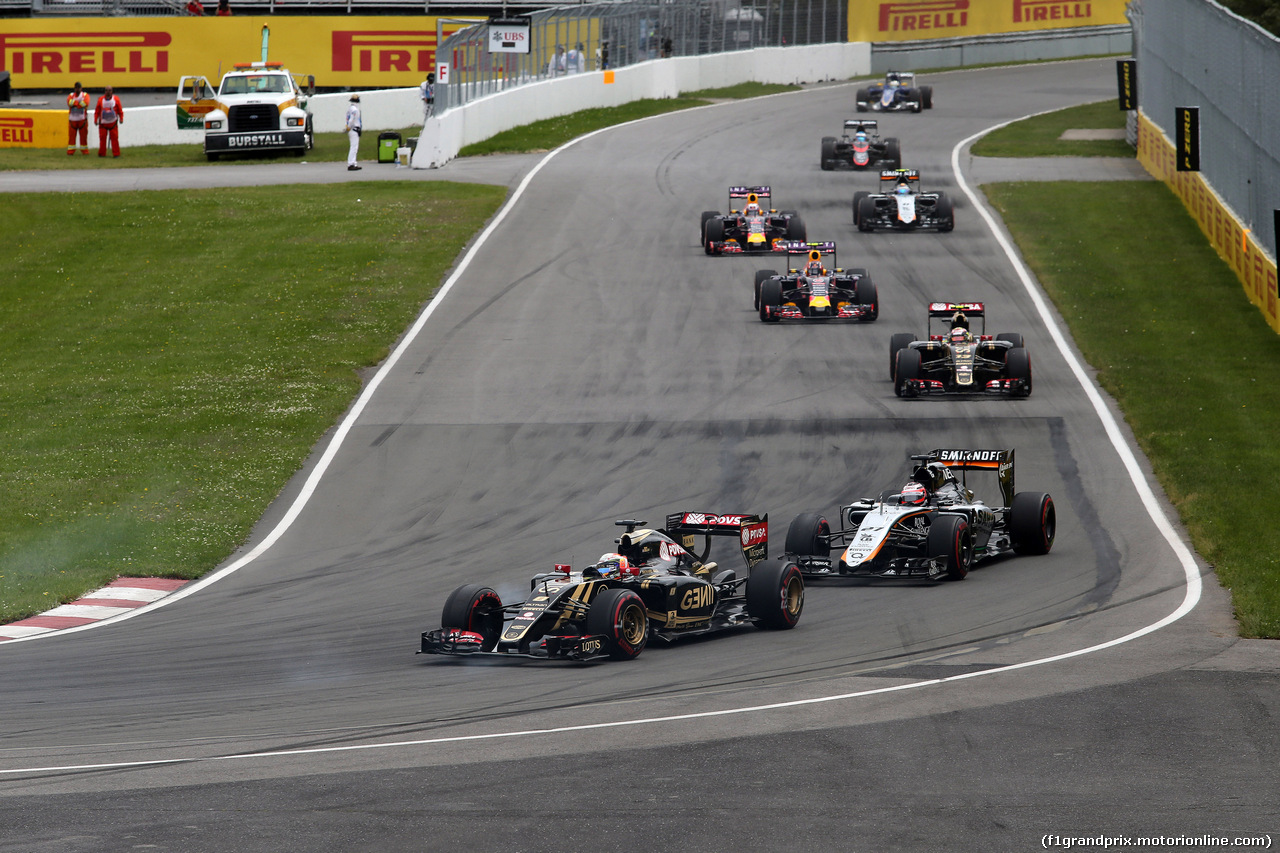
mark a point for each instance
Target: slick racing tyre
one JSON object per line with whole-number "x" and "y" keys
{"x": 926, "y": 97}
{"x": 862, "y": 97}
{"x": 775, "y": 594}
{"x": 866, "y": 215}
{"x": 1018, "y": 366}
{"x": 950, "y": 539}
{"x": 907, "y": 367}
{"x": 714, "y": 234}
{"x": 827, "y": 159}
{"x": 477, "y": 608}
{"x": 1013, "y": 338}
{"x": 868, "y": 298}
{"x": 702, "y": 226}
{"x": 796, "y": 229}
{"x": 1033, "y": 523}
{"x": 806, "y": 537}
{"x": 857, "y": 201}
{"x": 619, "y": 616}
{"x": 946, "y": 214}
{"x": 761, "y": 277}
{"x": 899, "y": 341}
{"x": 893, "y": 153}
{"x": 770, "y": 297}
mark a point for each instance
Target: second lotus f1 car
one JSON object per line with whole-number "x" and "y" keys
{"x": 953, "y": 359}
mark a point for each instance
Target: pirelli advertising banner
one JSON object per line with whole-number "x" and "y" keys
{"x": 153, "y": 53}
{"x": 908, "y": 20}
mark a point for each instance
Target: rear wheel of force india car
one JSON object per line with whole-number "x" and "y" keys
{"x": 1033, "y": 523}
{"x": 713, "y": 233}
{"x": 949, "y": 538}
{"x": 1018, "y": 363}
{"x": 899, "y": 341}
{"x": 906, "y": 367}
{"x": 619, "y": 615}
{"x": 761, "y": 277}
{"x": 477, "y": 608}
{"x": 806, "y": 536}
{"x": 828, "y": 156}
{"x": 770, "y": 296}
{"x": 866, "y": 214}
{"x": 775, "y": 594}
{"x": 868, "y": 298}
{"x": 946, "y": 214}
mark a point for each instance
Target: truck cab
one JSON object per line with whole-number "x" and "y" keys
{"x": 258, "y": 106}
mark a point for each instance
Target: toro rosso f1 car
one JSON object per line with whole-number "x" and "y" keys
{"x": 904, "y": 207}
{"x": 653, "y": 585}
{"x": 932, "y": 528}
{"x": 754, "y": 228}
{"x": 953, "y": 359}
{"x": 815, "y": 291}
{"x": 860, "y": 148}
{"x": 899, "y": 93}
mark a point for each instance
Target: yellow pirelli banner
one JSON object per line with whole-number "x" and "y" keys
{"x": 153, "y": 53}
{"x": 35, "y": 129}
{"x": 907, "y": 20}
{"x": 1228, "y": 235}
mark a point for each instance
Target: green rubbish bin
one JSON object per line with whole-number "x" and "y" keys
{"x": 388, "y": 142}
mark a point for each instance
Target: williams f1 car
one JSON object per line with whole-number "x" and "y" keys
{"x": 815, "y": 291}
{"x": 899, "y": 93}
{"x": 860, "y": 148}
{"x": 754, "y": 228}
{"x": 953, "y": 359}
{"x": 904, "y": 207}
{"x": 933, "y": 528}
{"x": 653, "y": 585}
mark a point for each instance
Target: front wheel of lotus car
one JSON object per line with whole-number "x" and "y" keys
{"x": 796, "y": 229}
{"x": 946, "y": 213}
{"x": 1033, "y": 523}
{"x": 827, "y": 159}
{"x": 477, "y": 608}
{"x": 949, "y": 538}
{"x": 868, "y": 298}
{"x": 807, "y": 536}
{"x": 899, "y": 341}
{"x": 865, "y": 220}
{"x": 619, "y": 616}
{"x": 761, "y": 277}
{"x": 702, "y": 226}
{"x": 775, "y": 594}
{"x": 857, "y": 201}
{"x": 905, "y": 369}
{"x": 1018, "y": 368}
{"x": 714, "y": 233}
{"x": 770, "y": 297}
{"x": 893, "y": 153}
{"x": 926, "y": 96}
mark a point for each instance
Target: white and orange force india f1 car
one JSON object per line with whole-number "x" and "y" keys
{"x": 653, "y": 585}
{"x": 751, "y": 225}
{"x": 904, "y": 207}
{"x": 934, "y": 528}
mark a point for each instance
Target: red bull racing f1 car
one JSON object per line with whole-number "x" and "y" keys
{"x": 653, "y": 585}
{"x": 954, "y": 359}
{"x": 750, "y": 225}
{"x": 816, "y": 291}
{"x": 860, "y": 148}
{"x": 904, "y": 207}
{"x": 933, "y": 528}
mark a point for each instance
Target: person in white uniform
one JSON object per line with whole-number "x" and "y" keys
{"x": 354, "y": 127}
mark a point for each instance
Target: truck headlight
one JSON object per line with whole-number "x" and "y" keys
{"x": 213, "y": 124}
{"x": 295, "y": 122}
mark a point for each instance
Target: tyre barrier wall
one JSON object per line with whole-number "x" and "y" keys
{"x": 1227, "y": 234}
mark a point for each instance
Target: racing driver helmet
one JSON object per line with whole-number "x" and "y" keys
{"x": 960, "y": 335}
{"x": 752, "y": 209}
{"x": 903, "y": 188}
{"x": 914, "y": 494}
{"x": 612, "y": 565}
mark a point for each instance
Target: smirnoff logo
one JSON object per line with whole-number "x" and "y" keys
{"x": 1035, "y": 11}
{"x": 84, "y": 53}
{"x": 384, "y": 50}
{"x": 927, "y": 15}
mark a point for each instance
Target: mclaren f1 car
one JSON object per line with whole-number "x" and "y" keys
{"x": 933, "y": 528}
{"x": 953, "y": 358}
{"x": 653, "y": 585}
{"x": 750, "y": 226}
{"x": 860, "y": 148}
{"x": 817, "y": 290}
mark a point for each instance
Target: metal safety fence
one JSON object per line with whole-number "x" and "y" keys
{"x": 1193, "y": 53}
{"x": 604, "y": 36}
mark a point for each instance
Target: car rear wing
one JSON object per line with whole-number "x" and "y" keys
{"x": 822, "y": 247}
{"x": 752, "y": 532}
{"x": 999, "y": 462}
{"x": 853, "y": 125}
{"x": 912, "y": 175}
{"x": 743, "y": 192}
{"x": 946, "y": 310}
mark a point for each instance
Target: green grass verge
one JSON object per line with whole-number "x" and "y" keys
{"x": 329, "y": 148}
{"x": 1190, "y": 361}
{"x": 171, "y": 358}
{"x": 1040, "y": 136}
{"x": 551, "y": 133}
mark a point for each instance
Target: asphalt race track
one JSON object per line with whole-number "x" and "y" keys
{"x": 591, "y": 364}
